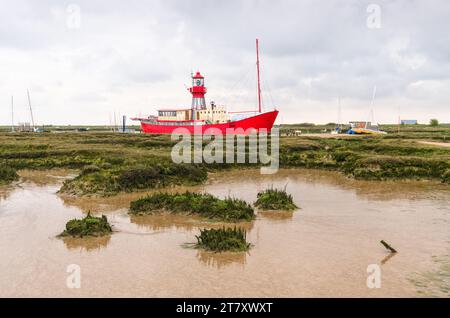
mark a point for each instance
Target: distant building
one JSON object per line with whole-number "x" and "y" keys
{"x": 408, "y": 122}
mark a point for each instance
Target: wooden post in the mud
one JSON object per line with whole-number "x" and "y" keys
{"x": 390, "y": 248}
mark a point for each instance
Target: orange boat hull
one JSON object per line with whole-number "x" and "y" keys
{"x": 243, "y": 126}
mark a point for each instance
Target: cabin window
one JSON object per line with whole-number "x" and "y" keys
{"x": 167, "y": 113}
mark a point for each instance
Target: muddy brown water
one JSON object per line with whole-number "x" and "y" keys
{"x": 322, "y": 249}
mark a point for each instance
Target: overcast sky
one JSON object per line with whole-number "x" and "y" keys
{"x": 84, "y": 60}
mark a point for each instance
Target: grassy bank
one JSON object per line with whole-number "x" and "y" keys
{"x": 224, "y": 239}
{"x": 112, "y": 179}
{"x": 111, "y": 163}
{"x": 371, "y": 158}
{"x": 201, "y": 204}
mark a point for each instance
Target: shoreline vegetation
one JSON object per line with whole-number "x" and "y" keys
{"x": 110, "y": 163}
{"x": 87, "y": 226}
{"x": 275, "y": 199}
{"x": 223, "y": 240}
{"x": 201, "y": 204}
{"x": 109, "y": 180}
{"x": 7, "y": 175}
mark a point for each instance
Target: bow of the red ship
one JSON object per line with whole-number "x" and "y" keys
{"x": 258, "y": 122}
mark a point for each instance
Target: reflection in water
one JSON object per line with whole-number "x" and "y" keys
{"x": 100, "y": 204}
{"x": 46, "y": 177}
{"x": 219, "y": 260}
{"x": 277, "y": 215}
{"x": 166, "y": 221}
{"x": 387, "y": 258}
{"x": 373, "y": 190}
{"x": 87, "y": 243}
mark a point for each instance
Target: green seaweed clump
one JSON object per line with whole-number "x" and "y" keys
{"x": 203, "y": 204}
{"x": 275, "y": 199}
{"x": 224, "y": 239}
{"x": 88, "y": 226}
{"x": 7, "y": 174}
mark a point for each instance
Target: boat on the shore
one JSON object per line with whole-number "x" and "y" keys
{"x": 365, "y": 128}
{"x": 201, "y": 118}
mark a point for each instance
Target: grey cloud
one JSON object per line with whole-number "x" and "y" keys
{"x": 312, "y": 52}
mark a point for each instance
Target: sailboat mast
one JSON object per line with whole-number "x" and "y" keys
{"x": 339, "y": 112}
{"x": 371, "y": 105}
{"x": 31, "y": 110}
{"x": 12, "y": 113}
{"x": 257, "y": 71}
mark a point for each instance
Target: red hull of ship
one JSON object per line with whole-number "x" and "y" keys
{"x": 261, "y": 121}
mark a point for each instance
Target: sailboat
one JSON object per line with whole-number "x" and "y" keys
{"x": 367, "y": 127}
{"x": 210, "y": 119}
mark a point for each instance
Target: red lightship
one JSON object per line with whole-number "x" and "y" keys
{"x": 211, "y": 119}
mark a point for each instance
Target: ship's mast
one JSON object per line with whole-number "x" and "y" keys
{"x": 257, "y": 71}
